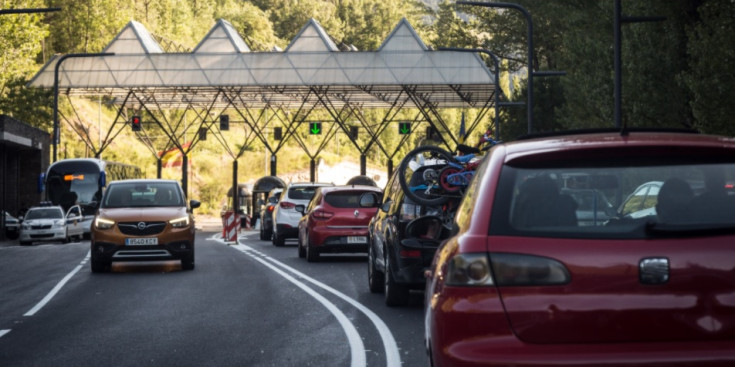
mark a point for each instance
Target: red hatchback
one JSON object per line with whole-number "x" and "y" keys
{"x": 336, "y": 220}
{"x": 525, "y": 281}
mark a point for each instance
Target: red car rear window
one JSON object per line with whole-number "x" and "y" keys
{"x": 343, "y": 199}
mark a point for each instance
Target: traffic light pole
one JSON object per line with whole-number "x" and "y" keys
{"x": 56, "y": 134}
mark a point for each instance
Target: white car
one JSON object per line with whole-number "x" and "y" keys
{"x": 50, "y": 223}
{"x": 285, "y": 217}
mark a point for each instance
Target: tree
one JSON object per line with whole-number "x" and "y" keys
{"x": 21, "y": 41}
{"x": 711, "y": 48}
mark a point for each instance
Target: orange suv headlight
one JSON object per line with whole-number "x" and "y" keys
{"x": 101, "y": 223}
{"x": 180, "y": 222}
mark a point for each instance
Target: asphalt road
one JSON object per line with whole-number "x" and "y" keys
{"x": 245, "y": 304}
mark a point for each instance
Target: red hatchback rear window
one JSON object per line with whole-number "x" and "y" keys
{"x": 623, "y": 200}
{"x": 343, "y": 199}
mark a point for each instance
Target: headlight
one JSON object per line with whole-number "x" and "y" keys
{"x": 25, "y": 226}
{"x": 180, "y": 222}
{"x": 101, "y": 223}
{"x": 59, "y": 223}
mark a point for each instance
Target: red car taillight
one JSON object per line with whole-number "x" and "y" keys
{"x": 473, "y": 269}
{"x": 321, "y": 214}
{"x": 410, "y": 253}
{"x": 270, "y": 208}
{"x": 286, "y": 205}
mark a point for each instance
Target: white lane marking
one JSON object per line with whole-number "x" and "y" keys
{"x": 3, "y": 332}
{"x": 357, "y": 348}
{"x": 56, "y": 289}
{"x": 392, "y": 355}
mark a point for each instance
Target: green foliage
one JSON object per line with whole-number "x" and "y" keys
{"x": 21, "y": 41}
{"x": 710, "y": 76}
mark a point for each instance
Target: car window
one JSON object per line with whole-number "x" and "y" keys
{"x": 315, "y": 200}
{"x": 344, "y": 199}
{"x": 44, "y": 213}
{"x": 542, "y": 202}
{"x": 302, "y": 192}
{"x": 74, "y": 211}
{"x": 146, "y": 194}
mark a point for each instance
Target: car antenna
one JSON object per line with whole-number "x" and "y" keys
{"x": 624, "y": 129}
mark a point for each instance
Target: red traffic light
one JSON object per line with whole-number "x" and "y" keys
{"x": 135, "y": 123}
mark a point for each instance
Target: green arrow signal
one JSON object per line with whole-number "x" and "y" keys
{"x": 315, "y": 128}
{"x": 404, "y": 128}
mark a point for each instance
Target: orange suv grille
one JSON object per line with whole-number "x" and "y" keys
{"x": 141, "y": 228}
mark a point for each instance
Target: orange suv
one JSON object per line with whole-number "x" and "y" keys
{"x": 143, "y": 220}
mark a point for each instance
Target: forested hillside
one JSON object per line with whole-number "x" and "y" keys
{"x": 676, "y": 72}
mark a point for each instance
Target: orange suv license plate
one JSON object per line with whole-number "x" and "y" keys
{"x": 141, "y": 241}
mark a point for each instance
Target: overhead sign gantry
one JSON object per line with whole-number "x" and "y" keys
{"x": 280, "y": 89}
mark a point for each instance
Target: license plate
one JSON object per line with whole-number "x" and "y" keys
{"x": 356, "y": 239}
{"x": 141, "y": 241}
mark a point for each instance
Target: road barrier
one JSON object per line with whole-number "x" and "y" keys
{"x": 230, "y": 226}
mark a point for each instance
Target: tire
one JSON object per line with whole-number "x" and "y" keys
{"x": 187, "y": 263}
{"x": 312, "y": 254}
{"x": 302, "y": 250}
{"x": 434, "y": 195}
{"x": 12, "y": 235}
{"x": 376, "y": 278}
{"x": 25, "y": 243}
{"x": 396, "y": 295}
{"x": 278, "y": 240}
{"x": 263, "y": 236}
{"x": 100, "y": 266}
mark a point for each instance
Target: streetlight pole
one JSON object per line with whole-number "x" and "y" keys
{"x": 57, "y": 137}
{"x": 529, "y": 38}
{"x": 617, "y": 60}
{"x": 496, "y": 62}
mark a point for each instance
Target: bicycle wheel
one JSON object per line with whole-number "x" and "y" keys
{"x": 419, "y": 176}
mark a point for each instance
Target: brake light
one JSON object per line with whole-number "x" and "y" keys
{"x": 286, "y": 205}
{"x": 321, "y": 214}
{"x": 507, "y": 270}
{"x": 410, "y": 253}
{"x": 270, "y": 208}
{"x": 73, "y": 177}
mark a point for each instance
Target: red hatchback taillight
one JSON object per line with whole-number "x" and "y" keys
{"x": 321, "y": 214}
{"x": 286, "y": 205}
{"x": 473, "y": 269}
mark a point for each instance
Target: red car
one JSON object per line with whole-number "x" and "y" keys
{"x": 336, "y": 220}
{"x": 524, "y": 282}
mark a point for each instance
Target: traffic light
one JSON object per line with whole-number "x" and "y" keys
{"x": 135, "y": 123}
{"x": 224, "y": 122}
{"x": 353, "y": 132}
{"x": 432, "y": 134}
{"x": 277, "y": 133}
{"x": 202, "y": 133}
{"x": 404, "y": 128}
{"x": 315, "y": 128}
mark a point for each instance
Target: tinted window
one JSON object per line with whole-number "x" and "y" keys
{"x": 614, "y": 202}
{"x": 344, "y": 199}
{"x": 45, "y": 213}
{"x": 302, "y": 192}
{"x": 142, "y": 194}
